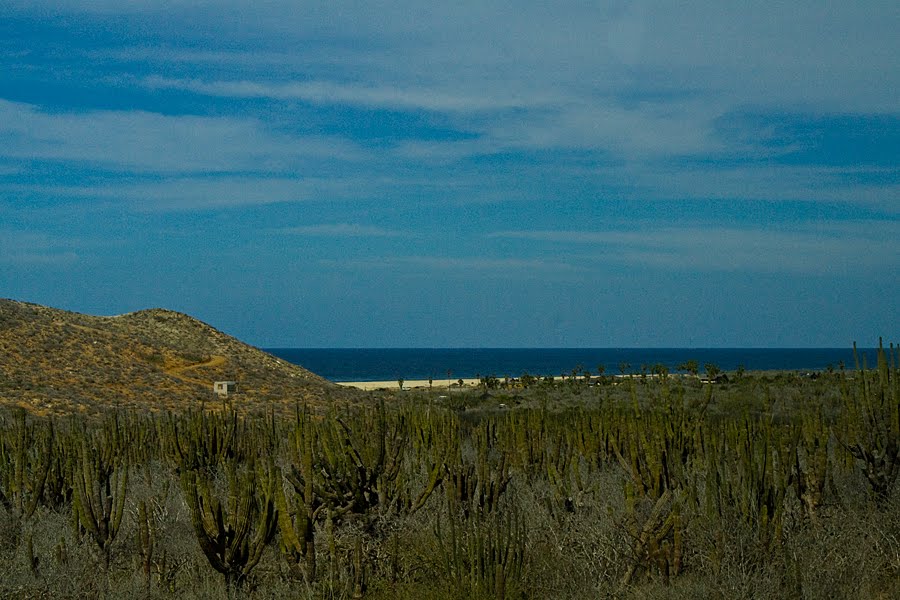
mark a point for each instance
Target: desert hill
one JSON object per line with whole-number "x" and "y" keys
{"x": 54, "y": 361}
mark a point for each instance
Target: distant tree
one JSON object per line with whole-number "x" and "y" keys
{"x": 623, "y": 367}
{"x": 400, "y": 383}
{"x": 711, "y": 370}
{"x": 691, "y": 366}
{"x": 660, "y": 370}
{"x": 490, "y": 382}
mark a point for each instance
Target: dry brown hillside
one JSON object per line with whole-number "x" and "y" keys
{"x": 54, "y": 361}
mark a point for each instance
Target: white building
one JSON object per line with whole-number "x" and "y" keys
{"x": 223, "y": 388}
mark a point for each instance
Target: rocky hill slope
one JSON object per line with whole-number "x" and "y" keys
{"x": 55, "y": 362}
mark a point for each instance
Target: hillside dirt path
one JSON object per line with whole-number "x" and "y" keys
{"x": 214, "y": 361}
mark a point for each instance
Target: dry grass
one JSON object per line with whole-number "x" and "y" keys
{"x": 57, "y": 362}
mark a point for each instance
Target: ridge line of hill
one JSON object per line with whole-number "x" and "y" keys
{"x": 54, "y": 361}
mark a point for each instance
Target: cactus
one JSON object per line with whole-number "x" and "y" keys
{"x": 26, "y": 455}
{"x": 356, "y": 464}
{"x": 100, "y": 483}
{"x": 478, "y": 486}
{"x": 153, "y": 557}
{"x": 359, "y": 573}
{"x": 146, "y": 541}
{"x": 758, "y": 459}
{"x": 871, "y": 424}
{"x": 657, "y": 542}
{"x": 203, "y": 439}
{"x": 484, "y": 556}
{"x": 434, "y": 440}
{"x": 657, "y": 449}
{"x": 750, "y": 466}
{"x": 812, "y": 468}
{"x": 296, "y": 521}
{"x": 232, "y": 533}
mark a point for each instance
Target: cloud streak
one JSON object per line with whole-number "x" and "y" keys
{"x": 756, "y": 181}
{"x": 829, "y": 249}
{"x": 842, "y": 59}
{"x": 464, "y": 266}
{"x": 342, "y": 230}
{"x": 679, "y": 154}
{"x": 368, "y": 95}
{"x": 151, "y": 142}
{"x": 192, "y": 193}
{"x": 28, "y": 249}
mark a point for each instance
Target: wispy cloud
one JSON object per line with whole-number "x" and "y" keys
{"x": 794, "y": 54}
{"x": 193, "y": 193}
{"x": 646, "y": 130}
{"x": 754, "y": 181}
{"x": 488, "y": 264}
{"x": 144, "y": 141}
{"x": 28, "y": 249}
{"x": 606, "y": 126}
{"x": 368, "y": 95}
{"x": 203, "y": 191}
{"x": 428, "y": 265}
{"x": 342, "y": 230}
{"x": 833, "y": 248}
{"x": 600, "y": 126}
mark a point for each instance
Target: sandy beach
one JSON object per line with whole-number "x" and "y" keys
{"x": 468, "y": 383}
{"x": 412, "y": 384}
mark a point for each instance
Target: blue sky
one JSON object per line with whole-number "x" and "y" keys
{"x": 334, "y": 174}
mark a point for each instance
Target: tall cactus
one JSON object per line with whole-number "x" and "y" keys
{"x": 871, "y": 429}
{"x": 296, "y": 520}
{"x": 100, "y": 483}
{"x": 658, "y": 541}
{"x": 146, "y": 541}
{"x": 232, "y": 533}
{"x": 812, "y": 467}
{"x": 484, "y": 556}
{"x": 26, "y": 454}
{"x": 435, "y": 439}
{"x": 751, "y": 467}
{"x": 357, "y": 461}
{"x": 202, "y": 439}
{"x": 477, "y": 486}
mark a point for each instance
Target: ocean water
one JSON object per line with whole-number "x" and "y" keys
{"x": 389, "y": 364}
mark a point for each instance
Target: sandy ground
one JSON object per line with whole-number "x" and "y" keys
{"x": 437, "y": 384}
{"x": 451, "y": 385}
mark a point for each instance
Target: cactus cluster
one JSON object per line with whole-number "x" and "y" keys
{"x": 319, "y": 487}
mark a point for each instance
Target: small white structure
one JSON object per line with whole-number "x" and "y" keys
{"x": 223, "y": 388}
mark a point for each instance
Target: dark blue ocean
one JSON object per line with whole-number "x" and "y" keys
{"x": 374, "y": 364}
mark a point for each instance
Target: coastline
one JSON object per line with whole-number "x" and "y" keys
{"x": 412, "y": 384}
{"x": 473, "y": 382}
{"x": 361, "y": 367}
{"x": 454, "y": 385}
